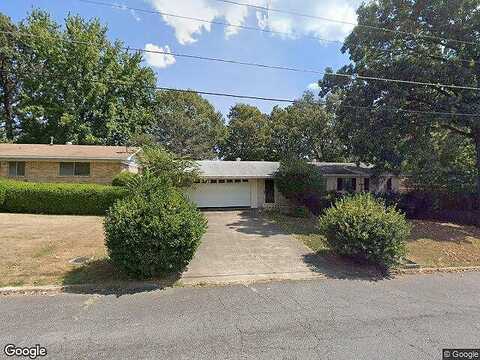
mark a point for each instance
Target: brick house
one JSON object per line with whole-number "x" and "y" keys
{"x": 65, "y": 163}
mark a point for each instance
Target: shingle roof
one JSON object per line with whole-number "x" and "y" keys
{"x": 266, "y": 169}
{"x": 238, "y": 169}
{"x": 65, "y": 152}
{"x": 344, "y": 168}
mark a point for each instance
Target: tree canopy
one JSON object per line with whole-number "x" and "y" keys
{"x": 247, "y": 134}
{"x": 366, "y": 109}
{"x": 76, "y": 85}
{"x": 186, "y": 124}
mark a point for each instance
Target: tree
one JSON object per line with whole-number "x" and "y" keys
{"x": 9, "y": 82}
{"x": 187, "y": 124}
{"x": 247, "y": 134}
{"x": 166, "y": 167}
{"x": 79, "y": 86}
{"x": 374, "y": 131}
{"x": 445, "y": 162}
{"x": 304, "y": 130}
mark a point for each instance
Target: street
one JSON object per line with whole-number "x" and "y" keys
{"x": 410, "y": 317}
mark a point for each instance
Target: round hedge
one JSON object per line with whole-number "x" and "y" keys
{"x": 124, "y": 178}
{"x": 363, "y": 227}
{"x": 157, "y": 234}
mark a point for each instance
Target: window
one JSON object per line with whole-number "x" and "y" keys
{"x": 16, "y": 168}
{"x": 244, "y": 180}
{"x": 366, "y": 184}
{"x": 229, "y": 181}
{"x": 221, "y": 181}
{"x": 74, "y": 169}
{"x": 347, "y": 184}
{"x": 237, "y": 181}
{"x": 213, "y": 181}
{"x": 389, "y": 185}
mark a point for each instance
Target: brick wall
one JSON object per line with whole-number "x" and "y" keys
{"x": 48, "y": 171}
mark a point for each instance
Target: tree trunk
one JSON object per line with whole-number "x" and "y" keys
{"x": 7, "y": 100}
{"x": 7, "y": 106}
{"x": 476, "y": 137}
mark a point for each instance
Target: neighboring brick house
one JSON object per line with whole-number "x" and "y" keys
{"x": 65, "y": 163}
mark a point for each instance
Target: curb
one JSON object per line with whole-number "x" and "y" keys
{"x": 101, "y": 289}
{"x": 430, "y": 270}
{"x": 135, "y": 287}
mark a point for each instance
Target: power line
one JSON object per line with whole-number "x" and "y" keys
{"x": 322, "y": 18}
{"x": 284, "y": 100}
{"x": 274, "y": 67}
{"x": 212, "y": 22}
{"x": 244, "y": 27}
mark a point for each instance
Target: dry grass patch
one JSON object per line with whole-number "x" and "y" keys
{"x": 37, "y": 248}
{"x": 434, "y": 243}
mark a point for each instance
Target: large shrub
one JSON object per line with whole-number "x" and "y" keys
{"x": 363, "y": 227}
{"x": 300, "y": 182}
{"x": 2, "y": 195}
{"x": 58, "y": 198}
{"x": 153, "y": 233}
{"x": 124, "y": 178}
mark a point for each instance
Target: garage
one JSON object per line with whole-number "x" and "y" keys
{"x": 221, "y": 193}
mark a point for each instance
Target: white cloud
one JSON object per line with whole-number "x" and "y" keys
{"x": 188, "y": 31}
{"x": 313, "y": 87}
{"x": 135, "y": 15}
{"x": 159, "y": 60}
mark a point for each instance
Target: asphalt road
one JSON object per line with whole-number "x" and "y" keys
{"x": 411, "y": 317}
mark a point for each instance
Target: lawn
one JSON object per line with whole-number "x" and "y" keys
{"x": 37, "y": 249}
{"x": 431, "y": 243}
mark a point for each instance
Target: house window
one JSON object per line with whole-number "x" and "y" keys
{"x": 237, "y": 181}
{"x": 389, "y": 185}
{"x": 347, "y": 184}
{"x": 221, "y": 181}
{"x": 366, "y": 184}
{"x": 213, "y": 181}
{"x": 244, "y": 180}
{"x": 16, "y": 168}
{"x": 229, "y": 181}
{"x": 74, "y": 169}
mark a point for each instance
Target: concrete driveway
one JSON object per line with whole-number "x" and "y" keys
{"x": 242, "y": 246}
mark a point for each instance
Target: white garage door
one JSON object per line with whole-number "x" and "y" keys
{"x": 234, "y": 194}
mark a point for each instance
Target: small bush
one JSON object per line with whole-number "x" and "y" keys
{"x": 148, "y": 235}
{"x": 363, "y": 227}
{"x": 58, "y": 198}
{"x": 2, "y": 195}
{"x": 124, "y": 178}
{"x": 300, "y": 182}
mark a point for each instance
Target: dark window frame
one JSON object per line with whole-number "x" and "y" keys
{"x": 16, "y": 172}
{"x": 74, "y": 172}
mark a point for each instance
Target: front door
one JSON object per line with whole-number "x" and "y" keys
{"x": 269, "y": 191}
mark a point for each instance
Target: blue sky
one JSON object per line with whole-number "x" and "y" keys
{"x": 152, "y": 31}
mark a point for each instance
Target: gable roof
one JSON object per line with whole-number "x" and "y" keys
{"x": 66, "y": 152}
{"x": 266, "y": 169}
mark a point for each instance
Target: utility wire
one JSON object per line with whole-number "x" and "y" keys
{"x": 295, "y": 13}
{"x": 265, "y": 66}
{"x": 252, "y": 28}
{"x": 221, "y": 23}
{"x": 284, "y": 100}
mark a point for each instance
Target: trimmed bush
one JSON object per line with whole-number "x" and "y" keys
{"x": 2, "y": 195}
{"x": 124, "y": 178}
{"x": 59, "y": 198}
{"x": 364, "y": 228}
{"x": 153, "y": 234}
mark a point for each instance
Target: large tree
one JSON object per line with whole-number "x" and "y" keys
{"x": 187, "y": 125}
{"x": 304, "y": 130}
{"x": 78, "y": 86}
{"x": 9, "y": 80}
{"x": 435, "y": 41}
{"x": 247, "y": 134}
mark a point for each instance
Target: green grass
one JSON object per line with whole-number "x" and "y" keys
{"x": 304, "y": 229}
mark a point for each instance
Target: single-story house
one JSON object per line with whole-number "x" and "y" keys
{"x": 65, "y": 163}
{"x": 223, "y": 184}
{"x": 251, "y": 183}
